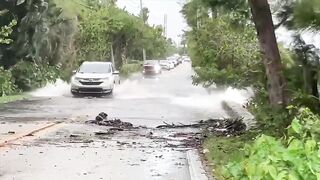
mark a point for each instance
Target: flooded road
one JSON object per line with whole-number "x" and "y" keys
{"x": 72, "y": 150}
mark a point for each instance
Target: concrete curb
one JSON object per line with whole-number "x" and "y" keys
{"x": 16, "y": 137}
{"x": 196, "y": 169}
{"x": 235, "y": 110}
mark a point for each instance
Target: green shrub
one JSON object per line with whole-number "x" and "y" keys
{"x": 292, "y": 157}
{"x": 128, "y": 69}
{"x": 301, "y": 99}
{"x": 272, "y": 121}
{"x": 30, "y": 75}
{"x": 7, "y": 86}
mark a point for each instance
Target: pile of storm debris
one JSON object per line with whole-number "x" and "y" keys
{"x": 220, "y": 127}
{"x": 217, "y": 127}
{"x": 179, "y": 132}
{"x": 115, "y": 124}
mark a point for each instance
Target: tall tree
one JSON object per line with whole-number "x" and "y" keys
{"x": 262, "y": 18}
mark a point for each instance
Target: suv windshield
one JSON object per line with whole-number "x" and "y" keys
{"x": 95, "y": 68}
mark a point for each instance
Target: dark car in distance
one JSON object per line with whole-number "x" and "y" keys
{"x": 151, "y": 67}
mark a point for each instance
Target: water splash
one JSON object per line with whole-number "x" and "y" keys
{"x": 214, "y": 99}
{"x": 57, "y": 89}
{"x": 136, "y": 89}
{"x": 187, "y": 95}
{"x": 182, "y": 94}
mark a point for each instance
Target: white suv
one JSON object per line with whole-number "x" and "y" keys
{"x": 94, "y": 78}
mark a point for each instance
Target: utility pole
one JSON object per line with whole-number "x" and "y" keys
{"x": 143, "y": 50}
{"x": 165, "y": 26}
{"x": 141, "y": 13}
{"x": 112, "y": 55}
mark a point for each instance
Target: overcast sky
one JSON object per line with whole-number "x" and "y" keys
{"x": 158, "y": 8}
{"x": 176, "y": 23}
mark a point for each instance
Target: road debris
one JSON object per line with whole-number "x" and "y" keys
{"x": 74, "y": 136}
{"x": 179, "y": 138}
{"x": 103, "y": 133}
{"x": 116, "y": 124}
{"x": 222, "y": 127}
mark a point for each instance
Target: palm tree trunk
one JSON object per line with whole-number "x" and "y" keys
{"x": 271, "y": 57}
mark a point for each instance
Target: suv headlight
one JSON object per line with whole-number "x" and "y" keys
{"x": 74, "y": 79}
{"x": 77, "y": 79}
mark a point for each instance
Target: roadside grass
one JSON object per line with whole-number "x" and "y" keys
{"x": 12, "y": 98}
{"x": 223, "y": 150}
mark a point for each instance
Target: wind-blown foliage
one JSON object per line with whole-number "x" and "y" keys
{"x": 7, "y": 85}
{"x": 41, "y": 34}
{"x": 42, "y": 37}
{"x": 5, "y": 32}
{"x": 238, "y": 11}
{"x": 128, "y": 34}
{"x": 224, "y": 52}
{"x": 6, "y": 81}
{"x": 299, "y": 14}
{"x": 238, "y": 14}
{"x": 225, "y": 56}
{"x": 304, "y": 74}
{"x": 307, "y": 14}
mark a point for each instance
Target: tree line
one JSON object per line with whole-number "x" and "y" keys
{"x": 41, "y": 40}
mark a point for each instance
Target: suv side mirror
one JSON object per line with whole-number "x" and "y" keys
{"x": 116, "y": 72}
{"x": 74, "y": 71}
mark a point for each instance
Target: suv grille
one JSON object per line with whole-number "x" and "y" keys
{"x": 90, "y": 90}
{"x": 91, "y": 83}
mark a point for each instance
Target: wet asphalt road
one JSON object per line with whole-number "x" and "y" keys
{"x": 72, "y": 151}
{"x": 171, "y": 98}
